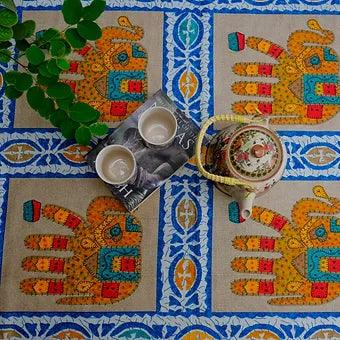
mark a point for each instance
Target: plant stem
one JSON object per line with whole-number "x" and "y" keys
{"x": 17, "y": 61}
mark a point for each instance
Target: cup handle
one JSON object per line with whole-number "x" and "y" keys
{"x": 205, "y": 173}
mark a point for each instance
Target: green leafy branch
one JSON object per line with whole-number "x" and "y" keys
{"x": 43, "y": 58}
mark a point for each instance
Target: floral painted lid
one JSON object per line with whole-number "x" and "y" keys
{"x": 254, "y": 153}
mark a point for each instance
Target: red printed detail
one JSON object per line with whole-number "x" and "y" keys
{"x": 73, "y": 66}
{"x": 72, "y": 221}
{"x": 266, "y": 287}
{"x": 84, "y": 50}
{"x": 59, "y": 242}
{"x": 241, "y": 40}
{"x": 55, "y": 287}
{"x": 57, "y": 265}
{"x": 36, "y": 210}
{"x": 118, "y": 109}
{"x": 110, "y": 290}
{"x": 319, "y": 290}
{"x": 334, "y": 265}
{"x": 314, "y": 111}
{"x": 135, "y": 86}
{"x": 127, "y": 265}
{"x": 265, "y": 69}
{"x": 275, "y": 51}
{"x": 72, "y": 84}
{"x": 264, "y": 89}
{"x": 266, "y": 108}
{"x": 278, "y": 222}
{"x": 329, "y": 89}
{"x": 266, "y": 265}
{"x": 267, "y": 244}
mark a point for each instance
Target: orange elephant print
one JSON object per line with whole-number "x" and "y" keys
{"x": 105, "y": 265}
{"x": 111, "y": 76}
{"x": 308, "y": 271}
{"x": 306, "y": 88}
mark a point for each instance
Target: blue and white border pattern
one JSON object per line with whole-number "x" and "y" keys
{"x": 184, "y": 244}
{"x": 41, "y": 153}
{"x": 152, "y": 326}
{"x": 322, "y": 6}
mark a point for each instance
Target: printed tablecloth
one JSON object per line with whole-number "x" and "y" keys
{"x": 75, "y": 264}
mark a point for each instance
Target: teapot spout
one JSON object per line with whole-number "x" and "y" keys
{"x": 246, "y": 204}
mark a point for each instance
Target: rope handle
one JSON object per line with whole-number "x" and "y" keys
{"x": 210, "y": 121}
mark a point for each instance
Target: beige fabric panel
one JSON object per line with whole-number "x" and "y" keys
{"x": 151, "y": 22}
{"x": 280, "y": 199}
{"x": 74, "y": 194}
{"x": 273, "y": 28}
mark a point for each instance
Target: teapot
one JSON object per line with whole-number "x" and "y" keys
{"x": 244, "y": 160}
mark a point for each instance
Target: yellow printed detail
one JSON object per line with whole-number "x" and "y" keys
{"x": 305, "y": 270}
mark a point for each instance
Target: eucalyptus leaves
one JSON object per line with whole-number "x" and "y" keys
{"x": 42, "y": 57}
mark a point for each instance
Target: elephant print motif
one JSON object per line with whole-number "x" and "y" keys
{"x": 308, "y": 271}
{"x": 307, "y": 90}
{"x": 112, "y": 75}
{"x": 105, "y": 266}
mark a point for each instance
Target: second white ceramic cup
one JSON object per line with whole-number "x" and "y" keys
{"x": 116, "y": 164}
{"x": 157, "y": 127}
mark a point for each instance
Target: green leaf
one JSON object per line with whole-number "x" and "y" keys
{"x": 63, "y": 64}
{"x": 53, "y": 68}
{"x": 99, "y": 129}
{"x": 35, "y": 97}
{"x": 9, "y": 4}
{"x": 68, "y": 128}
{"x": 11, "y": 77}
{"x": 12, "y": 93}
{"x": 23, "y": 30}
{"x": 66, "y": 103}
{"x": 89, "y": 30}
{"x": 94, "y": 10}
{"x": 5, "y": 44}
{"x": 33, "y": 68}
{"x": 29, "y": 26}
{"x": 83, "y": 135}
{"x": 6, "y": 33}
{"x": 23, "y": 82}
{"x": 8, "y": 18}
{"x": 72, "y": 10}
{"x": 75, "y": 40}
{"x": 59, "y": 91}
{"x": 68, "y": 48}
{"x": 35, "y": 55}
{"x": 43, "y": 70}
{"x": 46, "y": 81}
{"x": 57, "y": 48}
{"x": 5, "y": 56}
{"x": 57, "y": 117}
{"x": 83, "y": 113}
{"x": 22, "y": 45}
{"x": 47, "y": 107}
{"x": 50, "y": 34}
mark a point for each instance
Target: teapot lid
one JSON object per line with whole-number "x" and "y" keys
{"x": 254, "y": 153}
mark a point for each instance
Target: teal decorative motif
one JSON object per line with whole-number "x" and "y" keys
{"x": 310, "y": 82}
{"x": 137, "y": 51}
{"x": 188, "y": 31}
{"x": 125, "y": 255}
{"x": 131, "y": 226}
{"x": 314, "y": 256}
{"x": 335, "y": 225}
{"x": 328, "y": 56}
{"x": 114, "y": 86}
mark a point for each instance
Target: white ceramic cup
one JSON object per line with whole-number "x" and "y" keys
{"x": 157, "y": 126}
{"x": 116, "y": 164}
